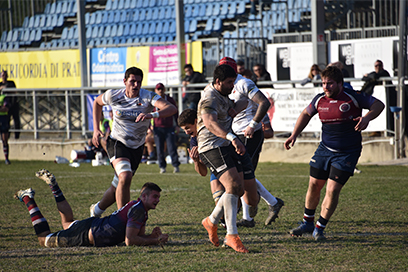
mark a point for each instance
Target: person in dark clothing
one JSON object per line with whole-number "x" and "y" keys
{"x": 191, "y": 99}
{"x": 14, "y": 110}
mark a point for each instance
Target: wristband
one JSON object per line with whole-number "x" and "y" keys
{"x": 253, "y": 123}
{"x": 155, "y": 114}
{"x": 230, "y": 136}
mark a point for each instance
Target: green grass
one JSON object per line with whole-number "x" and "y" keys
{"x": 368, "y": 232}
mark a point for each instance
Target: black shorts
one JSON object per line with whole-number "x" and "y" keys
{"x": 253, "y": 146}
{"x": 117, "y": 149}
{"x": 4, "y": 123}
{"x": 221, "y": 159}
{"x": 75, "y": 235}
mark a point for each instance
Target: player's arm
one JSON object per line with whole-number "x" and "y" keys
{"x": 376, "y": 108}
{"x": 97, "y": 113}
{"x": 166, "y": 109}
{"x": 137, "y": 237}
{"x": 263, "y": 106}
{"x": 210, "y": 121}
{"x": 267, "y": 129}
{"x": 301, "y": 123}
{"x": 198, "y": 165}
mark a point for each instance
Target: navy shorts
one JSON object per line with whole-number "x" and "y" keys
{"x": 75, "y": 235}
{"x": 4, "y": 123}
{"x": 117, "y": 149}
{"x": 324, "y": 159}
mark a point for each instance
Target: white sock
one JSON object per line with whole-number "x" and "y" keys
{"x": 218, "y": 211}
{"x": 230, "y": 213}
{"x": 98, "y": 210}
{"x": 245, "y": 210}
{"x": 265, "y": 194}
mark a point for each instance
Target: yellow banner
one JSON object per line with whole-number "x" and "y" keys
{"x": 139, "y": 57}
{"x": 43, "y": 69}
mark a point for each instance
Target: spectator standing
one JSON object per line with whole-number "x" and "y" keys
{"x": 164, "y": 131}
{"x": 241, "y": 67}
{"x": 191, "y": 99}
{"x": 314, "y": 74}
{"x": 4, "y": 124}
{"x": 261, "y": 74}
{"x": 14, "y": 110}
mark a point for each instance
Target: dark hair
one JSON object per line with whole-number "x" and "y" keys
{"x": 133, "y": 71}
{"x": 148, "y": 187}
{"x": 188, "y": 66}
{"x": 311, "y": 70}
{"x": 187, "y": 117}
{"x": 240, "y": 63}
{"x": 222, "y": 72}
{"x": 334, "y": 73}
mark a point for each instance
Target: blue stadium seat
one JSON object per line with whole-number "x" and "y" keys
{"x": 105, "y": 17}
{"x": 136, "y": 40}
{"x": 47, "y": 8}
{"x": 121, "y": 4}
{"x": 145, "y": 30}
{"x": 119, "y": 32}
{"x": 139, "y": 4}
{"x": 208, "y": 26}
{"x": 16, "y": 35}
{"x": 94, "y": 32}
{"x": 240, "y": 8}
{"x": 53, "y": 8}
{"x": 53, "y": 44}
{"x": 37, "y": 20}
{"x": 159, "y": 27}
{"x": 109, "y": 4}
{"x": 132, "y": 4}
{"x": 64, "y": 7}
{"x": 171, "y": 38}
{"x": 73, "y": 10}
{"x": 126, "y": 29}
{"x": 202, "y": 12}
{"x": 9, "y": 36}
{"x": 87, "y": 16}
{"x": 188, "y": 11}
{"x": 142, "y": 15}
{"x": 25, "y": 22}
{"x": 152, "y": 28}
{"x": 152, "y": 3}
{"x": 114, "y": 5}
{"x": 165, "y": 3}
{"x": 123, "y": 16}
{"x": 129, "y": 40}
{"x": 117, "y": 17}
{"x": 145, "y": 3}
{"x": 58, "y": 8}
{"x": 166, "y": 27}
{"x": 139, "y": 29}
{"x": 216, "y": 10}
{"x": 111, "y": 17}
{"x": 92, "y": 18}
{"x": 90, "y": 42}
{"x": 163, "y": 38}
{"x": 232, "y": 10}
{"x": 132, "y": 30}
{"x": 172, "y": 28}
{"x": 107, "y": 31}
{"x": 127, "y": 4}
{"x": 149, "y": 14}
{"x": 98, "y": 17}
{"x": 114, "y": 30}
{"x": 170, "y": 2}
{"x": 43, "y": 45}
{"x": 3, "y": 36}
{"x": 31, "y": 22}
{"x": 162, "y": 13}
{"x": 155, "y": 14}
{"x": 44, "y": 20}
{"x": 224, "y": 9}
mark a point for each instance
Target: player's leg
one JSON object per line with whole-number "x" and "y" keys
{"x": 217, "y": 189}
{"x": 172, "y": 148}
{"x": 159, "y": 139}
{"x": 4, "y": 138}
{"x": 64, "y": 209}
{"x": 40, "y": 224}
{"x": 123, "y": 169}
{"x": 108, "y": 199}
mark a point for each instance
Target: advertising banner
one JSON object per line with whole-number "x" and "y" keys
{"x": 108, "y": 66}
{"x": 90, "y": 98}
{"x": 43, "y": 69}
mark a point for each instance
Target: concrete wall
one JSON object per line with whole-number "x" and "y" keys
{"x": 273, "y": 151}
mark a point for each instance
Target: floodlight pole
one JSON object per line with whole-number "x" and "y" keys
{"x": 181, "y": 48}
{"x": 318, "y": 37}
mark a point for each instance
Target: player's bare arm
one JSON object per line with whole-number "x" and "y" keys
{"x": 376, "y": 108}
{"x": 210, "y": 122}
{"x": 137, "y": 237}
{"x": 166, "y": 109}
{"x": 301, "y": 123}
{"x": 198, "y": 165}
{"x": 97, "y": 113}
{"x": 263, "y": 106}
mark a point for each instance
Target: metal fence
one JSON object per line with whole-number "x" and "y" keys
{"x": 62, "y": 113}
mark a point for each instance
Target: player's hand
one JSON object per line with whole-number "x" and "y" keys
{"x": 362, "y": 123}
{"x": 193, "y": 153}
{"x": 239, "y": 146}
{"x": 143, "y": 116}
{"x": 156, "y": 232}
{"x": 163, "y": 238}
{"x": 95, "y": 138}
{"x": 249, "y": 132}
{"x": 290, "y": 142}
{"x": 232, "y": 112}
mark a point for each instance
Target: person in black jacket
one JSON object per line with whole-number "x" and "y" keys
{"x": 191, "y": 99}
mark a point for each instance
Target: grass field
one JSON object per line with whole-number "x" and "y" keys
{"x": 368, "y": 232}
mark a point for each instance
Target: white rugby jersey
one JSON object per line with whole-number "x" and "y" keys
{"x": 244, "y": 87}
{"x": 125, "y": 110}
{"x": 214, "y": 103}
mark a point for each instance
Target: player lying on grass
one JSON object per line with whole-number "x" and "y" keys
{"x": 126, "y": 224}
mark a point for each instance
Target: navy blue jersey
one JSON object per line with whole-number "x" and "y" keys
{"x": 336, "y": 115}
{"x": 111, "y": 230}
{"x": 193, "y": 142}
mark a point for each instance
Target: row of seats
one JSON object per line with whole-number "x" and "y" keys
{"x": 46, "y": 22}
{"x": 67, "y": 7}
{"x": 21, "y": 36}
{"x": 132, "y": 4}
{"x": 216, "y": 9}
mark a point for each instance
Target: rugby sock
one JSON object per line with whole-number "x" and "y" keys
{"x": 245, "y": 210}
{"x": 6, "y": 151}
{"x": 321, "y": 223}
{"x": 230, "y": 214}
{"x": 98, "y": 211}
{"x": 40, "y": 224}
{"x": 265, "y": 194}
{"x": 309, "y": 215}
{"x": 218, "y": 211}
{"x": 217, "y": 195}
{"x": 56, "y": 191}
